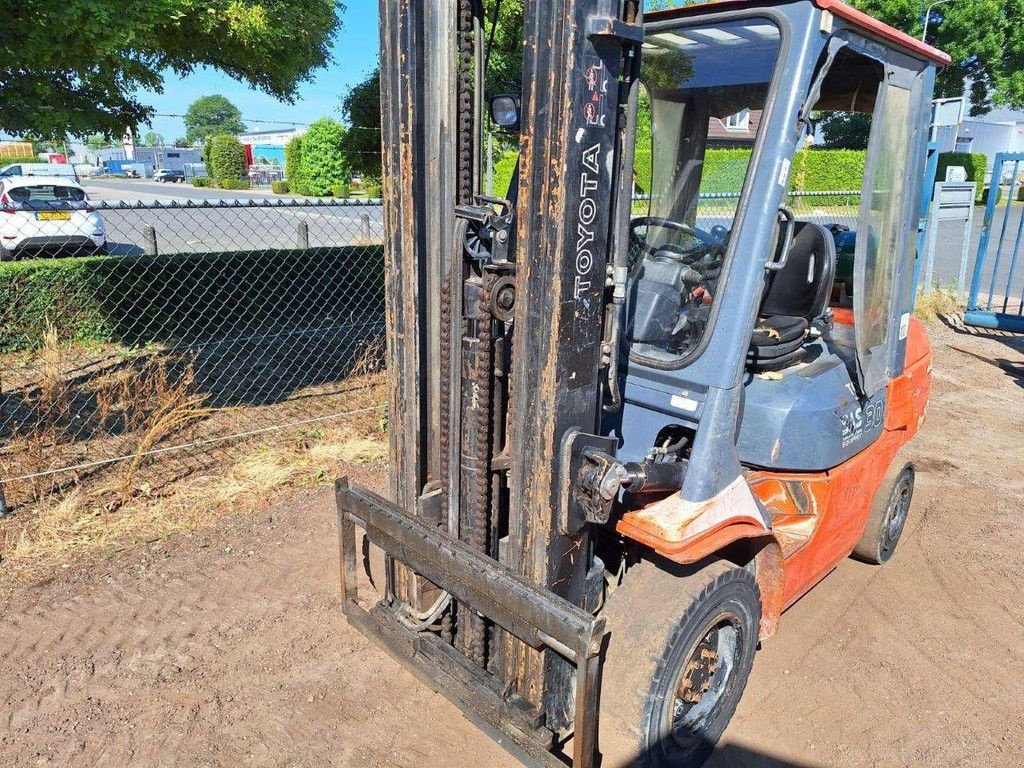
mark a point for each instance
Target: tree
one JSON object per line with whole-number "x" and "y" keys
{"x": 90, "y": 61}
{"x": 845, "y": 130}
{"x": 293, "y": 165}
{"x": 182, "y": 143}
{"x": 152, "y": 139}
{"x": 227, "y": 157}
{"x": 323, "y": 161}
{"x": 361, "y": 145}
{"x": 96, "y": 142}
{"x": 983, "y": 38}
{"x": 211, "y": 116}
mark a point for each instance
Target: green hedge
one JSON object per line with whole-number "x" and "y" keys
{"x": 279, "y": 187}
{"x": 341, "y": 191}
{"x": 202, "y": 181}
{"x": 5, "y": 161}
{"x": 233, "y": 183}
{"x": 137, "y": 300}
{"x": 975, "y": 163}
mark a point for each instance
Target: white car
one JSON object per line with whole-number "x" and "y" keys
{"x": 39, "y": 214}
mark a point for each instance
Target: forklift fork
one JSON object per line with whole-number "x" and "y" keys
{"x": 537, "y": 616}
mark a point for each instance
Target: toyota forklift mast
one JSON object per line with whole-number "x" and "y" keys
{"x": 592, "y": 474}
{"x": 478, "y": 422}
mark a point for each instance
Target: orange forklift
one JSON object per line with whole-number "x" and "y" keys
{"x": 627, "y": 434}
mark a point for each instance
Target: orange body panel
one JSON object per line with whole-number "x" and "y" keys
{"x": 831, "y": 508}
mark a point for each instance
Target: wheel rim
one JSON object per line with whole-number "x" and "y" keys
{"x": 705, "y": 679}
{"x": 896, "y": 514}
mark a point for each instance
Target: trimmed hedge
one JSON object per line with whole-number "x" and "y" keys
{"x": 233, "y": 184}
{"x": 5, "y": 161}
{"x": 279, "y": 187}
{"x": 341, "y": 191}
{"x": 373, "y": 189}
{"x": 202, "y": 181}
{"x": 137, "y": 300}
{"x": 975, "y": 163}
{"x": 227, "y": 157}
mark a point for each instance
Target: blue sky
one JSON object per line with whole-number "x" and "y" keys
{"x": 355, "y": 54}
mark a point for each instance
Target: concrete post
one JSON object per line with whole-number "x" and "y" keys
{"x": 302, "y": 240}
{"x": 149, "y": 238}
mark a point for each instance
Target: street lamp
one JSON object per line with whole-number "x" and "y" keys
{"x": 928, "y": 16}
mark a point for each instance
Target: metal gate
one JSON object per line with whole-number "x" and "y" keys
{"x": 997, "y": 289}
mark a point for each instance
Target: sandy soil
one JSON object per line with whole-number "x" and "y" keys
{"x": 227, "y": 647}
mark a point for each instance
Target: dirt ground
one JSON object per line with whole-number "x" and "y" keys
{"x": 226, "y": 646}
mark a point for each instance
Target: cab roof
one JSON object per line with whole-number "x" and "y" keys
{"x": 867, "y": 24}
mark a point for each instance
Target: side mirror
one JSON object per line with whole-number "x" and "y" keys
{"x": 505, "y": 111}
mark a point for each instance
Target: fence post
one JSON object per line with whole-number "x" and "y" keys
{"x": 149, "y": 238}
{"x": 4, "y": 509}
{"x": 302, "y": 235}
{"x": 366, "y": 225}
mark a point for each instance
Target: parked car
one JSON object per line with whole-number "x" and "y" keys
{"x": 46, "y": 214}
{"x": 40, "y": 169}
{"x": 165, "y": 175}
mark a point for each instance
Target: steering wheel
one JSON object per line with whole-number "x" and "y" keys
{"x": 706, "y": 241}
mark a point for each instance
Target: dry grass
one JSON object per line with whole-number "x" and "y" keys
{"x": 98, "y": 521}
{"x": 938, "y": 302}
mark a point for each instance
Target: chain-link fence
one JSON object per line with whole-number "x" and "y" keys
{"x": 134, "y": 336}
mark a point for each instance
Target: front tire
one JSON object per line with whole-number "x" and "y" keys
{"x": 6, "y": 255}
{"x": 680, "y": 651}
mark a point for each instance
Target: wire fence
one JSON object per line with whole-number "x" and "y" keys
{"x": 135, "y": 336}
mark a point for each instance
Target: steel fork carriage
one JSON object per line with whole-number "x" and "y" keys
{"x": 538, "y": 617}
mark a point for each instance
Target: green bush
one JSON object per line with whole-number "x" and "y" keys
{"x": 503, "y": 170}
{"x": 293, "y": 164}
{"x": 279, "y": 187}
{"x": 373, "y": 189}
{"x": 341, "y": 191}
{"x": 983, "y": 200}
{"x": 5, "y": 161}
{"x": 227, "y": 158}
{"x": 1020, "y": 194}
{"x": 975, "y": 163}
{"x": 202, "y": 181}
{"x": 233, "y": 183}
{"x": 177, "y": 297}
{"x": 323, "y": 162}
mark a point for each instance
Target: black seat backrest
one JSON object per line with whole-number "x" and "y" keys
{"x": 802, "y": 287}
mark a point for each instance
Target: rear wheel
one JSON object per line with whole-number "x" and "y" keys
{"x": 680, "y": 651}
{"x": 888, "y": 517}
{"x": 6, "y": 255}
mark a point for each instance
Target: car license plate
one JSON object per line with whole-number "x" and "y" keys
{"x": 53, "y": 216}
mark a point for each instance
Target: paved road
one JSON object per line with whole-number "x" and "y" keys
{"x": 195, "y": 230}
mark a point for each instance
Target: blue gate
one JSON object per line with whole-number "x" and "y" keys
{"x": 997, "y": 289}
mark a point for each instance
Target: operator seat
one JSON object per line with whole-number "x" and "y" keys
{"x": 795, "y": 299}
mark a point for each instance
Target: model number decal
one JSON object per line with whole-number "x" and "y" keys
{"x": 861, "y": 420}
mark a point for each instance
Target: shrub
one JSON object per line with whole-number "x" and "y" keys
{"x": 323, "y": 162}
{"x": 983, "y": 200}
{"x": 177, "y": 296}
{"x": 503, "y": 170}
{"x": 975, "y": 163}
{"x": 227, "y": 157}
{"x": 279, "y": 187}
{"x": 233, "y": 183}
{"x": 1020, "y": 194}
{"x": 202, "y": 181}
{"x": 373, "y": 189}
{"x": 5, "y": 161}
{"x": 341, "y": 191}
{"x": 293, "y": 163}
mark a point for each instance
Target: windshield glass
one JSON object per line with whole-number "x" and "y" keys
{"x": 705, "y": 88}
{"x": 46, "y": 195}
